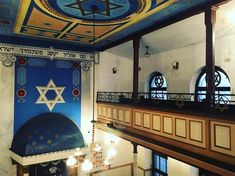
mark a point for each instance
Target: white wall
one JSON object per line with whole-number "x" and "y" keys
{"x": 106, "y": 80}
{"x": 191, "y": 59}
{"x": 144, "y": 161}
{"x": 6, "y": 119}
{"x": 124, "y": 148}
{"x": 124, "y": 153}
{"x": 86, "y": 105}
{"x": 177, "y": 168}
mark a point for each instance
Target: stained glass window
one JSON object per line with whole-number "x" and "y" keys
{"x": 158, "y": 86}
{"x": 222, "y": 86}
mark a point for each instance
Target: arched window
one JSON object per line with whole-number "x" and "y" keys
{"x": 158, "y": 86}
{"x": 222, "y": 85}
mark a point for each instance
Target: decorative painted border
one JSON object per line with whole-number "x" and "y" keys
{"x": 150, "y": 120}
{"x": 160, "y": 122}
{"x": 41, "y": 158}
{"x": 129, "y": 117}
{"x": 49, "y": 53}
{"x": 114, "y": 109}
{"x": 123, "y": 115}
{"x": 111, "y": 112}
{"x": 230, "y": 137}
{"x": 177, "y": 118}
{"x": 171, "y": 123}
{"x": 201, "y": 141}
{"x": 141, "y": 119}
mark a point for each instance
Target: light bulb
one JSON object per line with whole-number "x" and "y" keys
{"x": 71, "y": 161}
{"x": 78, "y": 152}
{"x": 87, "y": 166}
{"x": 97, "y": 148}
{"x": 107, "y": 162}
{"x": 111, "y": 153}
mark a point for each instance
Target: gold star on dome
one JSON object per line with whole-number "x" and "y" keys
{"x": 42, "y": 99}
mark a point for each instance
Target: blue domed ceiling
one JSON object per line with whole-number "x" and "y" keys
{"x": 47, "y": 133}
{"x": 72, "y": 20}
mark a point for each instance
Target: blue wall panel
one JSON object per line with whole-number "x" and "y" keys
{"x": 33, "y": 72}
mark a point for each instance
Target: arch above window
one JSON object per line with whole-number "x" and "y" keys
{"x": 222, "y": 86}
{"x": 158, "y": 86}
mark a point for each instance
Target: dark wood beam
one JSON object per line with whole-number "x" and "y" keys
{"x": 210, "y": 20}
{"x": 136, "y": 46}
{"x": 169, "y": 21}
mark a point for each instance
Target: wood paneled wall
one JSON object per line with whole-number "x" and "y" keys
{"x": 210, "y": 134}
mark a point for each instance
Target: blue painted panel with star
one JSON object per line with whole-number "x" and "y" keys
{"x": 107, "y": 9}
{"x": 43, "y": 85}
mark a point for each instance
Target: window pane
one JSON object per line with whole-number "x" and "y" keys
{"x": 222, "y": 87}
{"x": 156, "y": 161}
{"x": 159, "y": 165}
{"x": 163, "y": 167}
{"x": 158, "y": 87}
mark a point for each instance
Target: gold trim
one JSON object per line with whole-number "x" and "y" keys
{"x": 230, "y": 137}
{"x": 185, "y": 121}
{"x": 172, "y": 125}
{"x": 150, "y": 120}
{"x": 24, "y": 5}
{"x": 202, "y": 132}
{"x": 67, "y": 29}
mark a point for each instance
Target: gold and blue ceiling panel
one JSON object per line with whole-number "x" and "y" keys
{"x": 87, "y": 30}
{"x": 72, "y": 20}
{"x": 77, "y": 38}
{"x": 45, "y": 21}
{"x": 39, "y": 32}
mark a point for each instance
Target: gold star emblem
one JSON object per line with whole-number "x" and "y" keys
{"x": 42, "y": 99}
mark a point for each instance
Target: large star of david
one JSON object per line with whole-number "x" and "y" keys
{"x": 85, "y": 6}
{"x": 42, "y": 99}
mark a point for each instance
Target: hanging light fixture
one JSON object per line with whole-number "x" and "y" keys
{"x": 147, "y": 51}
{"x": 91, "y": 157}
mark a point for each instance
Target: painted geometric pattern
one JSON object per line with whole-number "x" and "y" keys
{"x": 72, "y": 20}
{"x": 41, "y": 87}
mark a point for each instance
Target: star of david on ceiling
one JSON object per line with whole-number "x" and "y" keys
{"x": 42, "y": 99}
{"x": 85, "y": 6}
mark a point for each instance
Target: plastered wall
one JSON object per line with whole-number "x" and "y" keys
{"x": 6, "y": 119}
{"x": 191, "y": 58}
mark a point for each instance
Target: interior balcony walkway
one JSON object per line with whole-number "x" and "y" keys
{"x": 176, "y": 124}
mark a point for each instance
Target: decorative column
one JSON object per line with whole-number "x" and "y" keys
{"x": 7, "y": 59}
{"x": 135, "y": 159}
{"x": 136, "y": 45}
{"x": 210, "y": 20}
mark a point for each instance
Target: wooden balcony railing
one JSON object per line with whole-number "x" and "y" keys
{"x": 207, "y": 138}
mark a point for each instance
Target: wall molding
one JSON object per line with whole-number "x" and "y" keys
{"x": 144, "y": 170}
{"x": 49, "y": 53}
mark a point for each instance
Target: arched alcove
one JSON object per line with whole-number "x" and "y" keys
{"x": 46, "y": 133}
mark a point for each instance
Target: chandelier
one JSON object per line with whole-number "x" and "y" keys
{"x": 91, "y": 157}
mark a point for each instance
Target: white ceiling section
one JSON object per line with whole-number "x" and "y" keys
{"x": 187, "y": 32}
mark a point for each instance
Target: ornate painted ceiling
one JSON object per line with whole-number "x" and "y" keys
{"x": 72, "y": 20}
